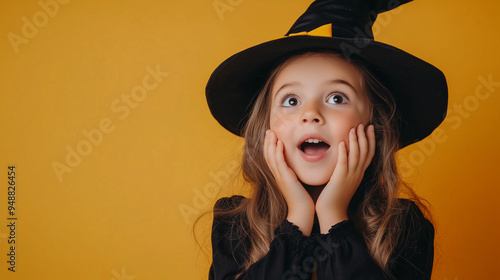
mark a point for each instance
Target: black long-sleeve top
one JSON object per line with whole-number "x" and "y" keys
{"x": 339, "y": 254}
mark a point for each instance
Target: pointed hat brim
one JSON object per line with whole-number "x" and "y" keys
{"x": 419, "y": 88}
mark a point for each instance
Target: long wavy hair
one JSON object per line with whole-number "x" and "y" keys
{"x": 375, "y": 209}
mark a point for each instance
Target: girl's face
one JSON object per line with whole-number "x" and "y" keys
{"x": 315, "y": 100}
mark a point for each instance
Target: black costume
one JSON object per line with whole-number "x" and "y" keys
{"x": 231, "y": 94}
{"x": 340, "y": 254}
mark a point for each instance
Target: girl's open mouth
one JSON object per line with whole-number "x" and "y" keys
{"x": 314, "y": 146}
{"x": 313, "y": 149}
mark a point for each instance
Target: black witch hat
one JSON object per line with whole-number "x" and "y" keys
{"x": 419, "y": 88}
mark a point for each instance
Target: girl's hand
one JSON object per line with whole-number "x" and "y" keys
{"x": 299, "y": 202}
{"x": 331, "y": 206}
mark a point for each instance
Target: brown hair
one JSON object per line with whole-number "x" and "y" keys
{"x": 375, "y": 209}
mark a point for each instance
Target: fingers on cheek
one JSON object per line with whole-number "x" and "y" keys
{"x": 349, "y": 141}
{"x": 342, "y": 153}
{"x": 369, "y": 146}
{"x": 371, "y": 133}
{"x": 280, "y": 158}
{"x": 371, "y": 141}
{"x": 353, "y": 142}
{"x": 363, "y": 143}
{"x": 275, "y": 153}
{"x": 269, "y": 150}
{"x": 280, "y": 153}
{"x": 265, "y": 148}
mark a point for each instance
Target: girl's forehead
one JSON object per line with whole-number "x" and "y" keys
{"x": 318, "y": 67}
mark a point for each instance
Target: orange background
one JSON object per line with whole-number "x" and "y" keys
{"x": 77, "y": 79}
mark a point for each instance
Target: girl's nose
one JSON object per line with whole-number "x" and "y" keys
{"x": 312, "y": 115}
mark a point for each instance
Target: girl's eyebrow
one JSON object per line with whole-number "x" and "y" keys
{"x": 335, "y": 81}
{"x": 344, "y": 82}
{"x": 284, "y": 86}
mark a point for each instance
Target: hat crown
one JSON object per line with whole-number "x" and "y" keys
{"x": 234, "y": 86}
{"x": 349, "y": 18}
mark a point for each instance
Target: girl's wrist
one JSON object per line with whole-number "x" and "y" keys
{"x": 330, "y": 217}
{"x": 303, "y": 218}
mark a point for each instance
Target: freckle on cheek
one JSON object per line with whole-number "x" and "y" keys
{"x": 278, "y": 125}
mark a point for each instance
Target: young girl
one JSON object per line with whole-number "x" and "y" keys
{"x": 322, "y": 119}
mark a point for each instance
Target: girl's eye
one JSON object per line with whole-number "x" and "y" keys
{"x": 337, "y": 98}
{"x": 289, "y": 101}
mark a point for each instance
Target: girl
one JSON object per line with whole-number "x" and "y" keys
{"x": 321, "y": 129}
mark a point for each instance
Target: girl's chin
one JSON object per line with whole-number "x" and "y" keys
{"x": 318, "y": 176}
{"x": 313, "y": 182}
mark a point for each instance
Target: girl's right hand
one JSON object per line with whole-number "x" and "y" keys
{"x": 299, "y": 202}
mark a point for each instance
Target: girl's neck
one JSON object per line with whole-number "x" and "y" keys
{"x": 314, "y": 191}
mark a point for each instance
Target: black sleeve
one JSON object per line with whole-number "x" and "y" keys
{"x": 341, "y": 254}
{"x": 286, "y": 253}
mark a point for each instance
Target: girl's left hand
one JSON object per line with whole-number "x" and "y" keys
{"x": 331, "y": 206}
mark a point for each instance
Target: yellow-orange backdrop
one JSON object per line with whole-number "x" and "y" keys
{"x": 103, "y": 114}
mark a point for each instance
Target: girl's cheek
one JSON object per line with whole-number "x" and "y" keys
{"x": 278, "y": 123}
{"x": 281, "y": 126}
{"x": 344, "y": 127}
